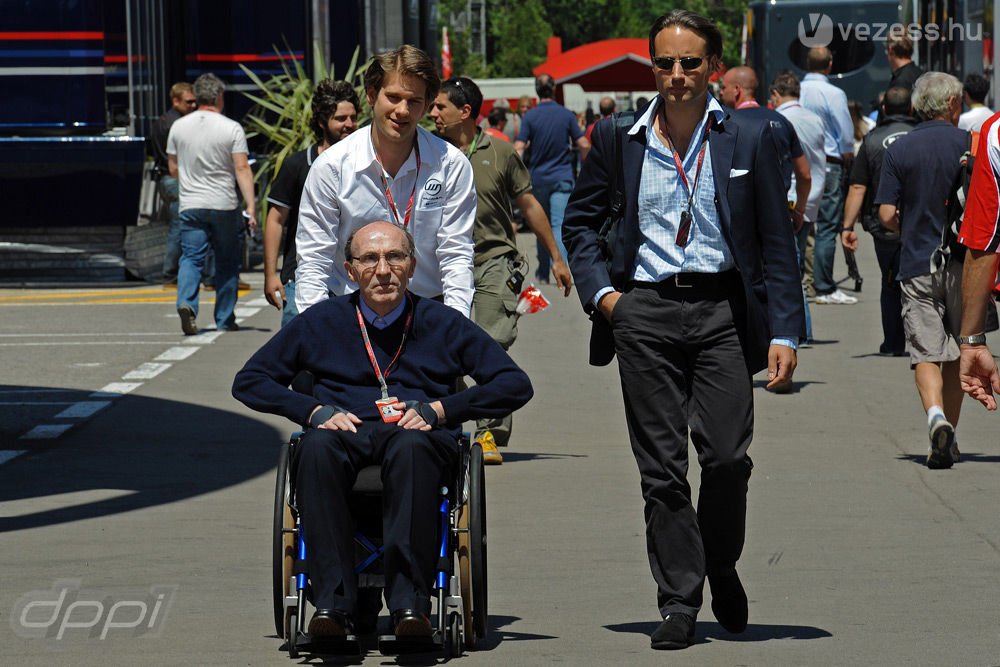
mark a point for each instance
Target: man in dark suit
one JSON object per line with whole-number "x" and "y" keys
{"x": 687, "y": 304}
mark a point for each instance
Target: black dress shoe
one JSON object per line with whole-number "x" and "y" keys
{"x": 410, "y": 623}
{"x": 675, "y": 632}
{"x": 330, "y": 624}
{"x": 729, "y": 601}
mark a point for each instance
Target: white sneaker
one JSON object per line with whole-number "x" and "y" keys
{"x": 836, "y": 298}
{"x": 940, "y": 454}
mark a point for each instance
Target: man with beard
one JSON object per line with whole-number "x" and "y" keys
{"x": 334, "y": 116}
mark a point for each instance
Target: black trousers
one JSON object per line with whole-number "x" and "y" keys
{"x": 414, "y": 463}
{"x": 683, "y": 372}
{"x": 891, "y": 297}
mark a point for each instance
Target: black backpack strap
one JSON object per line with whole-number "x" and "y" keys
{"x": 955, "y": 210}
{"x": 623, "y": 122}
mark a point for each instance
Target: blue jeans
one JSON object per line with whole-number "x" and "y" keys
{"x": 828, "y": 225}
{"x": 172, "y": 251}
{"x": 553, "y": 197}
{"x": 290, "y": 310}
{"x": 202, "y": 230}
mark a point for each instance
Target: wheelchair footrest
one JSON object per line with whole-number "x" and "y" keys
{"x": 348, "y": 645}
{"x": 393, "y": 645}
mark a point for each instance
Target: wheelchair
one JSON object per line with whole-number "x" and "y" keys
{"x": 460, "y": 588}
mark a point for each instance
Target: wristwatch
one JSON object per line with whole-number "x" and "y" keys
{"x": 977, "y": 339}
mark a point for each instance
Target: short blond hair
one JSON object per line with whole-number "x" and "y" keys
{"x": 407, "y": 60}
{"x": 178, "y": 89}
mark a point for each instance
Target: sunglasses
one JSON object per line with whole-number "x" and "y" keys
{"x": 687, "y": 64}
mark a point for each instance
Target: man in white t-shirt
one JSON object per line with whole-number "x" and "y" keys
{"x": 392, "y": 170}
{"x": 974, "y": 91}
{"x": 207, "y": 152}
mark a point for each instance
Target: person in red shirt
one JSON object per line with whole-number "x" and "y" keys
{"x": 980, "y": 232}
{"x": 607, "y": 107}
{"x": 497, "y": 120}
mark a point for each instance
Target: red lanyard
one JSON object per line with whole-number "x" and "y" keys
{"x": 684, "y": 228}
{"x": 385, "y": 185}
{"x": 371, "y": 352}
{"x": 677, "y": 157}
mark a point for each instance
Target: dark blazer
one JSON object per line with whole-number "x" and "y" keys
{"x": 753, "y": 208}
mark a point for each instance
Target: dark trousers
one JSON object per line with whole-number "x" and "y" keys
{"x": 413, "y": 465}
{"x": 683, "y": 372}
{"x": 891, "y": 298}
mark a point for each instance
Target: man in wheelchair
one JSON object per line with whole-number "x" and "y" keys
{"x": 385, "y": 364}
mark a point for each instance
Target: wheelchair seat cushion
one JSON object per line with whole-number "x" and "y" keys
{"x": 369, "y": 480}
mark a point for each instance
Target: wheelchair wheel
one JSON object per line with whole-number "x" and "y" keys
{"x": 293, "y": 635}
{"x": 283, "y": 548}
{"x": 453, "y": 637}
{"x": 472, "y": 552}
{"x": 477, "y": 540}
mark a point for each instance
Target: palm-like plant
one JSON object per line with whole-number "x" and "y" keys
{"x": 282, "y": 112}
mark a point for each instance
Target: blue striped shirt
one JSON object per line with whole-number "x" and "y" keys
{"x": 829, "y": 103}
{"x": 662, "y": 198}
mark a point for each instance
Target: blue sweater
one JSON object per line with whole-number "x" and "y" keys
{"x": 442, "y": 345}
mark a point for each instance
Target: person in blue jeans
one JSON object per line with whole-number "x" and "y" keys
{"x": 182, "y": 102}
{"x": 547, "y": 133}
{"x": 207, "y": 152}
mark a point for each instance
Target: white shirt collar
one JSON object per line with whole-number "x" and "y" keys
{"x": 712, "y": 106}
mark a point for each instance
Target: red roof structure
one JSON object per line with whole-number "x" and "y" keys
{"x": 620, "y": 65}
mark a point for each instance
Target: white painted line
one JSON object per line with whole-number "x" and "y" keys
{"x": 245, "y": 312}
{"x": 203, "y": 338}
{"x": 46, "y": 432}
{"x": 259, "y": 302}
{"x": 10, "y": 454}
{"x": 83, "y": 410}
{"x": 177, "y": 354}
{"x": 146, "y": 371}
{"x": 116, "y": 389}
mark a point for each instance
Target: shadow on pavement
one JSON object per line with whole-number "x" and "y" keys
{"x": 513, "y": 457}
{"x": 797, "y": 386}
{"x": 498, "y": 635}
{"x": 817, "y": 341}
{"x": 155, "y": 451}
{"x": 711, "y": 630}
{"x": 967, "y": 457}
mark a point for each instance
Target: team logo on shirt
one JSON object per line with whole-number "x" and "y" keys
{"x": 433, "y": 194}
{"x": 889, "y": 140}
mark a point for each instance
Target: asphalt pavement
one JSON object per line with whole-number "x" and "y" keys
{"x": 137, "y": 521}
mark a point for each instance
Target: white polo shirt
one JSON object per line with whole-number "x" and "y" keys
{"x": 344, "y": 192}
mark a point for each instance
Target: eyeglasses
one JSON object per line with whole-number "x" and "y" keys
{"x": 190, "y": 103}
{"x": 687, "y": 64}
{"x": 394, "y": 258}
